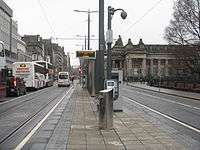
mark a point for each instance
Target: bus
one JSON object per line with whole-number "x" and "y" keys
{"x": 49, "y": 73}
{"x": 32, "y": 73}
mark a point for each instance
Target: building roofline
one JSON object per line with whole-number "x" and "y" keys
{"x": 6, "y": 8}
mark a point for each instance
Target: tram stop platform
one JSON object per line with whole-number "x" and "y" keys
{"x": 74, "y": 126}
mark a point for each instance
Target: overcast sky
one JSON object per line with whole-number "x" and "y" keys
{"x": 146, "y": 19}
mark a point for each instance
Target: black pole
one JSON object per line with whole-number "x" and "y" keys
{"x": 100, "y": 65}
{"x": 88, "y": 29}
{"x": 85, "y": 43}
{"x": 109, "y": 68}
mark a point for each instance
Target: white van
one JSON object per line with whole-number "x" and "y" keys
{"x": 63, "y": 79}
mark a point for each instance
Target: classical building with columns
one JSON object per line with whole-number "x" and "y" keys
{"x": 142, "y": 61}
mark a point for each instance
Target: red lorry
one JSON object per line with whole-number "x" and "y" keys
{"x": 9, "y": 84}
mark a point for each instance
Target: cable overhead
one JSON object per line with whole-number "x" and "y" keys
{"x": 45, "y": 16}
{"x": 146, "y": 13}
{"x": 65, "y": 38}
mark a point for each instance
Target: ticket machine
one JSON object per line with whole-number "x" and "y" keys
{"x": 113, "y": 84}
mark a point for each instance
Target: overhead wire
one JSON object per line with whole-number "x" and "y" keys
{"x": 47, "y": 20}
{"x": 144, "y": 15}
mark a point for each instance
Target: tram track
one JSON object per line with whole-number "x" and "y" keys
{"x": 3, "y": 109}
{"x": 164, "y": 93}
{"x": 179, "y": 112}
{"x": 33, "y": 115}
{"x": 172, "y": 118}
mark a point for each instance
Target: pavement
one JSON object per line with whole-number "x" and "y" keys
{"x": 74, "y": 126}
{"x": 183, "y": 94}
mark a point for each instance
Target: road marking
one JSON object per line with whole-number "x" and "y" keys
{"x": 26, "y": 139}
{"x": 166, "y": 116}
{"x": 168, "y": 100}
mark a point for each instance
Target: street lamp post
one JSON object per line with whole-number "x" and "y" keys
{"x": 109, "y": 35}
{"x": 88, "y": 12}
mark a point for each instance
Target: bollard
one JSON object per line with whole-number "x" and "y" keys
{"x": 106, "y": 109}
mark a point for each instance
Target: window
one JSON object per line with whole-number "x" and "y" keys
{"x": 63, "y": 76}
{"x": 34, "y": 57}
{"x": 110, "y": 83}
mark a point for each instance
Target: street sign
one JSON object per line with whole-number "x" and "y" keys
{"x": 88, "y": 54}
{"x": 109, "y": 36}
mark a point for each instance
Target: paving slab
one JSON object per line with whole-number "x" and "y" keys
{"x": 131, "y": 131}
{"x": 74, "y": 126}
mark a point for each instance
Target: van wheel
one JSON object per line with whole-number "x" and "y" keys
{"x": 24, "y": 92}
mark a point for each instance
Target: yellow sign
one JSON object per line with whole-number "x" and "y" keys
{"x": 86, "y": 54}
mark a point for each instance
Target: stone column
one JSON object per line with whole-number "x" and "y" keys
{"x": 120, "y": 64}
{"x": 159, "y": 67}
{"x": 151, "y": 67}
{"x": 166, "y": 67}
{"x": 130, "y": 66}
{"x": 144, "y": 67}
{"x": 113, "y": 64}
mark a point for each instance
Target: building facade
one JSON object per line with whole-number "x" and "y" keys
{"x": 144, "y": 61}
{"x": 8, "y": 32}
{"x": 58, "y": 57}
{"x": 21, "y": 51}
{"x": 66, "y": 63}
{"x": 34, "y": 46}
{"x": 48, "y": 50}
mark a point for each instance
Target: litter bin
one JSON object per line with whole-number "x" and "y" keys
{"x": 106, "y": 109}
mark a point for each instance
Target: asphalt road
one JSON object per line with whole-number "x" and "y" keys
{"x": 19, "y": 115}
{"x": 182, "y": 114}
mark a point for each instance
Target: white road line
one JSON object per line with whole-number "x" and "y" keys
{"x": 25, "y": 140}
{"x": 166, "y": 116}
{"x": 169, "y": 100}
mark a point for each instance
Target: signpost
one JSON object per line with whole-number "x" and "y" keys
{"x": 86, "y": 54}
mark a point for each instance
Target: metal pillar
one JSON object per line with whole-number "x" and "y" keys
{"x": 109, "y": 35}
{"x": 88, "y": 29}
{"x": 100, "y": 68}
{"x": 106, "y": 109}
{"x": 109, "y": 43}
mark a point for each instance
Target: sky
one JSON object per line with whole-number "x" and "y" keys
{"x": 147, "y": 19}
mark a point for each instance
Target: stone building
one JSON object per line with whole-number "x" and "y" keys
{"x": 66, "y": 63}
{"x": 142, "y": 61}
{"x": 34, "y": 46}
{"x": 58, "y": 56}
{"x": 8, "y": 32}
{"x": 21, "y": 51}
{"x": 48, "y": 50}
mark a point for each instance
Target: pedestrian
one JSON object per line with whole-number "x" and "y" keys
{"x": 83, "y": 82}
{"x": 72, "y": 78}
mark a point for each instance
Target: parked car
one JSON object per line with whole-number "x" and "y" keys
{"x": 15, "y": 86}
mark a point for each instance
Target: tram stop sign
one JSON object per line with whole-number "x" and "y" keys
{"x": 87, "y": 54}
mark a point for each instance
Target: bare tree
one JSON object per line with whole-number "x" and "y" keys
{"x": 184, "y": 28}
{"x": 188, "y": 58}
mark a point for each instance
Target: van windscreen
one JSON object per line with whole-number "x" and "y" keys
{"x": 63, "y": 76}
{"x": 110, "y": 83}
